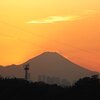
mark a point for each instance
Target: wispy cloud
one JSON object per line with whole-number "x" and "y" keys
{"x": 54, "y": 19}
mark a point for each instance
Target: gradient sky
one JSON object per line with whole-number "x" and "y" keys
{"x": 69, "y": 27}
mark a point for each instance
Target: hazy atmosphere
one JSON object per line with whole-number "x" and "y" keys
{"x": 49, "y": 49}
{"x": 69, "y": 27}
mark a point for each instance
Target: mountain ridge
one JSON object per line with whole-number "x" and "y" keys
{"x": 50, "y": 64}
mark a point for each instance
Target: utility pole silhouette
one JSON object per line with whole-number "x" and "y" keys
{"x": 26, "y": 68}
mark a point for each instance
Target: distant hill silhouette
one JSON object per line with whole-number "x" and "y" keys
{"x": 48, "y": 65}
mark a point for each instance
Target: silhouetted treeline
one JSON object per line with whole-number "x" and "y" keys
{"x": 87, "y": 88}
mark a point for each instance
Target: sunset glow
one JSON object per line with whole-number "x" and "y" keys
{"x": 69, "y": 27}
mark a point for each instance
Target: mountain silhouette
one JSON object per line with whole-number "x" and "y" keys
{"x": 48, "y": 65}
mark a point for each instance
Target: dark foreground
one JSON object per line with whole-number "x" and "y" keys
{"x": 18, "y": 89}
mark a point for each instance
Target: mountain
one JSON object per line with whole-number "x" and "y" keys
{"x": 48, "y": 66}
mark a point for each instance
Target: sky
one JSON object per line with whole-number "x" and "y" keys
{"x": 69, "y": 27}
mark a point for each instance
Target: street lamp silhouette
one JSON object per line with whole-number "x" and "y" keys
{"x": 26, "y": 68}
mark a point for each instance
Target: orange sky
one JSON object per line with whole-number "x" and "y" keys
{"x": 70, "y": 27}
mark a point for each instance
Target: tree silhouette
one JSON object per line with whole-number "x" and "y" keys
{"x": 20, "y": 89}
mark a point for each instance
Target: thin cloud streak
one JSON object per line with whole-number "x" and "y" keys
{"x": 54, "y": 19}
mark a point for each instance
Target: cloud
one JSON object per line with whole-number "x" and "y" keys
{"x": 54, "y": 19}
